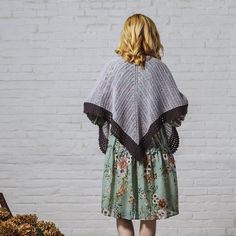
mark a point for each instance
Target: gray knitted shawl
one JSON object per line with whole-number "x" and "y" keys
{"x": 135, "y": 103}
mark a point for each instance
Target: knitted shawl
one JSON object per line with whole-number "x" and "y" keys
{"x": 135, "y": 103}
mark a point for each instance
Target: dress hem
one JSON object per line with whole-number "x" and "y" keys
{"x": 174, "y": 213}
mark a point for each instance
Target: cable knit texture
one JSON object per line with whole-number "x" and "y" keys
{"x": 134, "y": 103}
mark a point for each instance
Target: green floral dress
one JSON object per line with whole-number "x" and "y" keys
{"x": 132, "y": 190}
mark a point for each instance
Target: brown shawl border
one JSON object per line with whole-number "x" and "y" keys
{"x": 138, "y": 151}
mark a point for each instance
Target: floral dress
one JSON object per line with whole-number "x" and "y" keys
{"x": 134, "y": 190}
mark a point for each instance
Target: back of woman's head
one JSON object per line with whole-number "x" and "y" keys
{"x": 139, "y": 38}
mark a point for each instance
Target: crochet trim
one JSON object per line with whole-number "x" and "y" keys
{"x": 137, "y": 151}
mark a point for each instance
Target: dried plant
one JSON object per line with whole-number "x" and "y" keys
{"x": 25, "y": 225}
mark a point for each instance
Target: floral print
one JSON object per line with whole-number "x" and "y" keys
{"x": 135, "y": 190}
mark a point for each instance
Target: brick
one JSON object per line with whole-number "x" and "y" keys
{"x": 50, "y": 55}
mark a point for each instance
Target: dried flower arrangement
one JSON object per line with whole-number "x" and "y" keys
{"x": 25, "y": 225}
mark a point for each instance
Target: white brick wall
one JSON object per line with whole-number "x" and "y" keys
{"x": 50, "y": 54}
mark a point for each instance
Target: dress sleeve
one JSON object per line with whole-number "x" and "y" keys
{"x": 96, "y": 120}
{"x": 177, "y": 122}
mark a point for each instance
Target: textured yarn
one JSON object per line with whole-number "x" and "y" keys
{"x": 134, "y": 103}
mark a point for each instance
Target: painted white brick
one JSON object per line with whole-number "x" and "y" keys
{"x": 50, "y": 55}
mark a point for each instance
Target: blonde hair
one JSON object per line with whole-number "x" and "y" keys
{"x": 139, "y": 38}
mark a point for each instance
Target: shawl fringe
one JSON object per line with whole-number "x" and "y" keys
{"x": 137, "y": 151}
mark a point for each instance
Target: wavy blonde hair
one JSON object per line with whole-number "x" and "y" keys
{"x": 139, "y": 38}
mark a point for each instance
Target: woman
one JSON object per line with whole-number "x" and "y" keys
{"x": 137, "y": 106}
